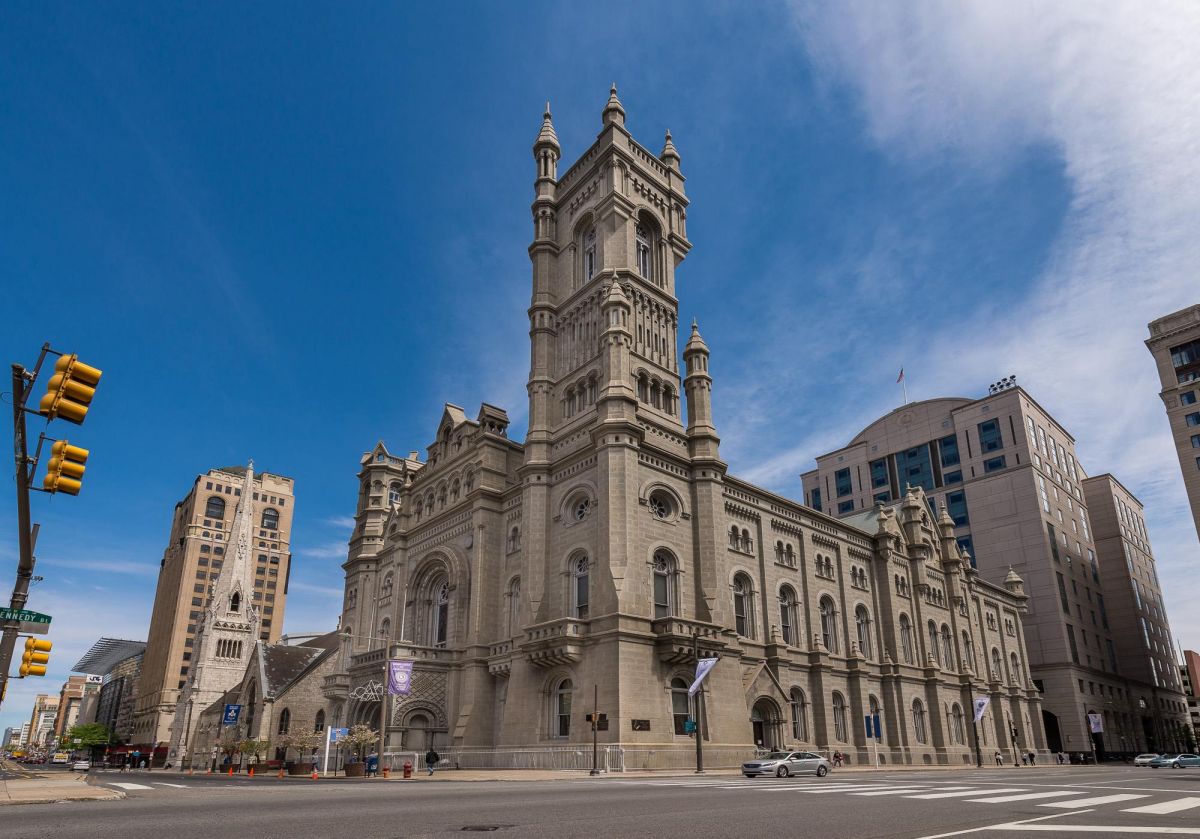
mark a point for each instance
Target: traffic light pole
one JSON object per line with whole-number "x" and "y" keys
{"x": 20, "y": 393}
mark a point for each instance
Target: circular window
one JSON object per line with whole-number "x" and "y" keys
{"x": 582, "y": 507}
{"x": 661, "y": 505}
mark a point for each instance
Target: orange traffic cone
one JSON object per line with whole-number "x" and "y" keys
{"x": 251, "y": 771}
{"x": 231, "y": 771}
{"x": 314, "y": 774}
{"x": 280, "y": 771}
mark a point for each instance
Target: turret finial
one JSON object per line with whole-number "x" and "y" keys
{"x": 669, "y": 154}
{"x": 614, "y": 111}
{"x": 546, "y": 137}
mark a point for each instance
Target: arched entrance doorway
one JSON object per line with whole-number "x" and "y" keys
{"x": 767, "y": 724}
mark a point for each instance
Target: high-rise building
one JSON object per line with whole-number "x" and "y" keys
{"x": 41, "y": 722}
{"x": 1175, "y": 344}
{"x": 1011, "y": 480}
{"x": 1130, "y": 605}
{"x": 9, "y": 734}
{"x": 21, "y": 737}
{"x": 1189, "y": 673}
{"x": 523, "y": 579}
{"x": 119, "y": 663}
{"x": 71, "y": 702}
{"x": 201, "y": 533}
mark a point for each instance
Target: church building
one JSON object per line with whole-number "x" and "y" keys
{"x": 533, "y": 583}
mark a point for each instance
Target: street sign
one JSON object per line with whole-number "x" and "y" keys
{"x": 22, "y": 615}
{"x": 30, "y": 628}
{"x": 336, "y": 734}
{"x": 232, "y": 712}
{"x": 689, "y": 726}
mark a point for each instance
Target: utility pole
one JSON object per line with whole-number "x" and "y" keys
{"x": 975, "y": 730}
{"x": 595, "y": 727}
{"x": 699, "y": 708}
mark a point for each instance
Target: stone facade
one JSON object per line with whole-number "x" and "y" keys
{"x": 201, "y": 531}
{"x": 532, "y": 583}
{"x": 1175, "y": 344}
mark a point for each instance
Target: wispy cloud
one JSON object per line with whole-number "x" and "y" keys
{"x": 108, "y": 566}
{"x": 325, "y": 550}
{"x": 344, "y": 522}
{"x": 1111, "y": 88}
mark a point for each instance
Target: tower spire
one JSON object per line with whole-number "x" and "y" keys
{"x": 546, "y": 137}
{"x": 614, "y": 111}
{"x": 669, "y": 155}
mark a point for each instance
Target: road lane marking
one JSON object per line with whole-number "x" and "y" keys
{"x": 851, "y": 789}
{"x": 1166, "y": 807}
{"x": 165, "y": 784}
{"x": 1088, "y": 802}
{"x": 968, "y": 792}
{"x": 1027, "y": 823}
{"x": 900, "y": 791}
{"x": 1097, "y": 828}
{"x": 129, "y": 786}
{"x": 1025, "y": 796}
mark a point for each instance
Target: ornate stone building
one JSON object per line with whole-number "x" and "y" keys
{"x": 526, "y": 579}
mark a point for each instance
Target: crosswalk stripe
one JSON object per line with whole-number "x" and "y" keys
{"x": 165, "y": 784}
{"x": 900, "y": 791}
{"x": 129, "y": 786}
{"x": 1088, "y": 802}
{"x": 848, "y": 789}
{"x": 1025, "y": 796}
{"x": 972, "y": 791}
{"x": 1166, "y": 806}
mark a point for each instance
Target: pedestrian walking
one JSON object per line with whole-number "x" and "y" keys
{"x": 372, "y": 765}
{"x": 837, "y": 759}
{"x": 1024, "y": 759}
{"x": 431, "y": 759}
{"x": 999, "y": 760}
{"x": 1032, "y": 759}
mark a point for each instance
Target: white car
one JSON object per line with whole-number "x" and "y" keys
{"x": 81, "y": 766}
{"x": 786, "y": 764}
{"x": 1144, "y": 760}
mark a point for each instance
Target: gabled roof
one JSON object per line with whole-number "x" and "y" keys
{"x": 282, "y": 665}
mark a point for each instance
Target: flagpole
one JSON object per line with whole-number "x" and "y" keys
{"x": 699, "y": 707}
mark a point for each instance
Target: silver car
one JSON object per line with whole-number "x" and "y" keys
{"x": 786, "y": 764}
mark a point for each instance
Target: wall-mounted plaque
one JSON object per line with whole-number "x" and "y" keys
{"x": 641, "y": 725}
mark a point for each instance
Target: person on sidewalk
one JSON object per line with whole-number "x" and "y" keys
{"x": 999, "y": 760}
{"x": 431, "y": 759}
{"x": 372, "y": 765}
{"x": 1032, "y": 759}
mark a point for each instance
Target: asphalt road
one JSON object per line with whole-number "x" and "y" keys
{"x": 1051, "y": 801}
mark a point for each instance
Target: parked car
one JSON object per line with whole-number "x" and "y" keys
{"x": 1163, "y": 760}
{"x": 1177, "y": 761}
{"x": 60, "y": 757}
{"x": 786, "y": 764}
{"x": 1144, "y": 760}
{"x": 81, "y": 766}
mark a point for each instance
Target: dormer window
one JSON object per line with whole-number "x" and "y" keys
{"x": 589, "y": 255}
{"x": 643, "y": 251}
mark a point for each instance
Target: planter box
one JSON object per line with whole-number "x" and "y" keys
{"x": 300, "y": 768}
{"x": 355, "y": 770}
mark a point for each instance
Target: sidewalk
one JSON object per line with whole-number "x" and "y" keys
{"x": 38, "y": 790}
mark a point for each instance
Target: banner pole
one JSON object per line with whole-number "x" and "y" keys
{"x": 325, "y": 763}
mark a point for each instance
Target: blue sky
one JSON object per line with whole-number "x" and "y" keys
{"x": 285, "y": 231}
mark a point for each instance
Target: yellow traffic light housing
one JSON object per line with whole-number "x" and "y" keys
{"x": 37, "y": 656}
{"x": 70, "y": 390}
{"x": 64, "y": 472}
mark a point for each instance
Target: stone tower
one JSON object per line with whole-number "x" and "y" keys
{"x": 230, "y": 629}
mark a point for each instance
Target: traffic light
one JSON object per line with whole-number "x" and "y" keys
{"x": 64, "y": 472}
{"x": 70, "y": 390}
{"x": 37, "y": 656}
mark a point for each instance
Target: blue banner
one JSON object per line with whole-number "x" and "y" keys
{"x": 232, "y": 712}
{"x": 399, "y": 677}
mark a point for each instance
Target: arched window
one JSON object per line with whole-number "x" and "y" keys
{"x": 1015, "y": 674}
{"x": 906, "y": 639}
{"x": 829, "y": 634}
{"x": 997, "y": 666}
{"x": 947, "y": 648}
{"x": 385, "y": 629}
{"x": 664, "y": 584}
{"x": 958, "y": 731}
{"x": 839, "y": 717}
{"x": 735, "y": 537}
{"x": 747, "y": 542}
{"x": 589, "y": 254}
{"x": 385, "y": 590}
{"x": 561, "y": 724}
{"x": 235, "y": 602}
{"x": 514, "y": 606}
{"x": 285, "y": 721}
{"x": 643, "y": 385}
{"x": 919, "y": 730}
{"x": 668, "y": 399}
{"x": 214, "y": 508}
{"x": 441, "y": 614}
{"x": 394, "y": 492}
{"x": 514, "y": 539}
{"x": 643, "y": 251}
{"x": 680, "y": 712}
{"x": 579, "y": 587}
{"x": 933, "y": 640}
{"x": 862, "y": 620}
{"x": 799, "y": 715}
{"x": 743, "y": 606}
{"x": 779, "y": 551}
{"x": 319, "y": 725}
{"x": 270, "y": 519}
{"x": 968, "y": 651}
{"x": 787, "y": 614}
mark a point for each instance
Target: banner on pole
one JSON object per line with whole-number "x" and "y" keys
{"x": 702, "y": 668}
{"x": 878, "y": 727}
{"x": 1096, "y": 723}
{"x": 980, "y": 706}
{"x": 231, "y": 714}
{"x": 399, "y": 677}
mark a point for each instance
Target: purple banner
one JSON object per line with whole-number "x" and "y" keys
{"x": 399, "y": 677}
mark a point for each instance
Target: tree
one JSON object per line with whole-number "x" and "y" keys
{"x": 252, "y": 747}
{"x": 359, "y": 737}
{"x": 87, "y": 735}
{"x": 302, "y": 742}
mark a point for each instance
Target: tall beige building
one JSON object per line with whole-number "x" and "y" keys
{"x": 41, "y": 723}
{"x": 1175, "y": 344}
{"x": 524, "y": 579}
{"x": 201, "y": 544}
{"x": 1011, "y": 480}
{"x": 1158, "y": 715}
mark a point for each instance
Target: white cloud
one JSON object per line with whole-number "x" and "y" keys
{"x": 325, "y": 550}
{"x": 1112, "y": 89}
{"x": 344, "y": 522}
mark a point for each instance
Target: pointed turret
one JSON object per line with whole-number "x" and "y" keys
{"x": 702, "y": 434}
{"x": 614, "y": 111}
{"x": 1013, "y": 583}
{"x": 669, "y": 155}
{"x": 546, "y": 137}
{"x": 546, "y": 150}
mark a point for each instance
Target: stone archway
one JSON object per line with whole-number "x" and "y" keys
{"x": 766, "y": 723}
{"x": 1053, "y": 732}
